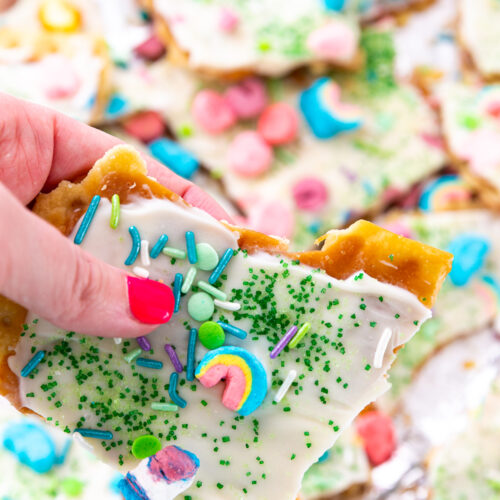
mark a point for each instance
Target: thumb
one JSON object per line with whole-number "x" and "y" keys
{"x": 49, "y": 275}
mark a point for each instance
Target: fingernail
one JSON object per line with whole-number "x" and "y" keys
{"x": 150, "y": 302}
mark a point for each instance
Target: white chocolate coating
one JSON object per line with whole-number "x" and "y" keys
{"x": 270, "y": 36}
{"x": 276, "y": 444}
{"x": 478, "y": 28}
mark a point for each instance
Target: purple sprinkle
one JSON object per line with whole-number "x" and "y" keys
{"x": 144, "y": 343}
{"x": 174, "y": 358}
{"x": 284, "y": 341}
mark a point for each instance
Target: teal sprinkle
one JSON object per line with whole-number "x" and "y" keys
{"x": 172, "y": 391}
{"x": 191, "y": 247}
{"x": 177, "y": 291}
{"x": 149, "y": 363}
{"x": 87, "y": 219}
{"x": 158, "y": 247}
{"x": 193, "y": 335}
{"x": 223, "y": 262}
{"x": 136, "y": 245}
{"x": 32, "y": 363}
{"x": 95, "y": 433}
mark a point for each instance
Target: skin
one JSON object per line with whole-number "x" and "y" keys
{"x": 38, "y": 149}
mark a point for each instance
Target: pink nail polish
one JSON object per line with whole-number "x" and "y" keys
{"x": 150, "y": 302}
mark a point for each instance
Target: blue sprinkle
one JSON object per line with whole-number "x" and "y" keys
{"x": 130, "y": 488}
{"x": 158, "y": 247}
{"x": 61, "y": 458}
{"x": 117, "y": 106}
{"x": 177, "y": 291}
{"x": 469, "y": 255}
{"x": 149, "y": 363}
{"x": 32, "y": 445}
{"x": 113, "y": 484}
{"x": 87, "y": 219}
{"x": 136, "y": 245}
{"x": 334, "y": 5}
{"x": 174, "y": 157}
{"x": 191, "y": 248}
{"x": 95, "y": 433}
{"x": 223, "y": 262}
{"x": 191, "y": 352}
{"x": 172, "y": 391}
{"x": 233, "y": 330}
{"x": 32, "y": 363}
{"x": 324, "y": 457}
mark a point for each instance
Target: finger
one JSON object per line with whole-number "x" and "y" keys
{"x": 40, "y": 147}
{"x": 55, "y": 279}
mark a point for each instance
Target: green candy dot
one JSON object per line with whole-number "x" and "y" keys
{"x": 201, "y": 306}
{"x": 207, "y": 257}
{"x": 211, "y": 335}
{"x": 145, "y": 446}
{"x": 72, "y": 487}
{"x": 470, "y": 121}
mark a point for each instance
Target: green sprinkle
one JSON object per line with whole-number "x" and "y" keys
{"x": 211, "y": 335}
{"x": 72, "y": 487}
{"x": 368, "y": 368}
{"x": 207, "y": 257}
{"x": 215, "y": 292}
{"x": 174, "y": 252}
{"x": 115, "y": 211}
{"x": 132, "y": 355}
{"x": 201, "y": 306}
{"x": 164, "y": 407}
{"x": 145, "y": 446}
{"x": 220, "y": 486}
{"x": 299, "y": 335}
{"x": 188, "y": 280}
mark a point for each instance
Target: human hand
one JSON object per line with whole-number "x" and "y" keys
{"x": 40, "y": 268}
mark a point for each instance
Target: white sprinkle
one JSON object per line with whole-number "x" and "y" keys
{"x": 285, "y": 386}
{"x": 140, "y": 271}
{"x": 228, "y": 306}
{"x": 381, "y": 348}
{"x": 146, "y": 261}
{"x": 117, "y": 340}
{"x": 82, "y": 442}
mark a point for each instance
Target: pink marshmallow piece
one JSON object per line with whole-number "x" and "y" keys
{"x": 228, "y": 20}
{"x": 273, "y": 218}
{"x": 249, "y": 155}
{"x": 310, "y": 194}
{"x": 278, "y": 124}
{"x": 333, "y": 42}
{"x": 248, "y": 98}
{"x": 58, "y": 79}
{"x": 212, "y": 112}
{"x": 150, "y": 49}
{"x": 235, "y": 383}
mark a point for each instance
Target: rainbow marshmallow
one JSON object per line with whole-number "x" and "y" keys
{"x": 165, "y": 475}
{"x": 246, "y": 379}
{"x": 326, "y": 115}
{"x": 444, "y": 193}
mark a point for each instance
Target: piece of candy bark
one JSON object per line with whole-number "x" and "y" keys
{"x": 234, "y": 39}
{"x": 325, "y": 319}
